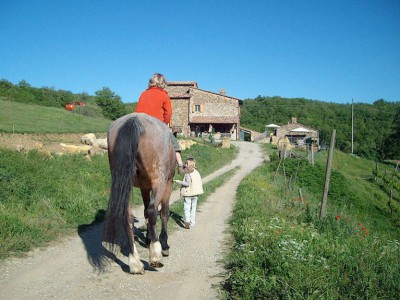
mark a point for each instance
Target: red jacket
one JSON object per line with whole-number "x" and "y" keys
{"x": 155, "y": 102}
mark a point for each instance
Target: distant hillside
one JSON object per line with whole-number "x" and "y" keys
{"x": 28, "y": 118}
{"x": 105, "y": 102}
{"x": 373, "y": 123}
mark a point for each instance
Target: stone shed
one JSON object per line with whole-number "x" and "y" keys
{"x": 298, "y": 134}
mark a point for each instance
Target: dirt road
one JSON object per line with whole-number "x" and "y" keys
{"x": 77, "y": 269}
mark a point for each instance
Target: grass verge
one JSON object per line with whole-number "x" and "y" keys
{"x": 282, "y": 250}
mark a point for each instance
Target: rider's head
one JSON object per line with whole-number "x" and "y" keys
{"x": 158, "y": 80}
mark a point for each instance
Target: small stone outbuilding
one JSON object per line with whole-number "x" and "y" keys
{"x": 298, "y": 134}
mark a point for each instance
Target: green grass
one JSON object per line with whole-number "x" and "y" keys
{"x": 24, "y": 118}
{"x": 43, "y": 198}
{"x": 282, "y": 250}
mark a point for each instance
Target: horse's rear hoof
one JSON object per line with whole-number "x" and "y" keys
{"x": 138, "y": 271}
{"x": 157, "y": 265}
{"x": 165, "y": 252}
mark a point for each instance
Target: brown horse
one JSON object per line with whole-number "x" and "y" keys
{"x": 140, "y": 153}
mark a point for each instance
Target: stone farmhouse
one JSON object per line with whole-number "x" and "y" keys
{"x": 198, "y": 112}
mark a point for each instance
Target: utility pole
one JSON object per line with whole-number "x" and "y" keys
{"x": 352, "y": 125}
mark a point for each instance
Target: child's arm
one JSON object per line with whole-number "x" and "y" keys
{"x": 187, "y": 181}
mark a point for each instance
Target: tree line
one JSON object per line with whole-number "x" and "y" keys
{"x": 376, "y": 126}
{"x": 110, "y": 104}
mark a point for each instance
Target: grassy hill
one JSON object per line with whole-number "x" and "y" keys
{"x": 283, "y": 250}
{"x": 27, "y": 118}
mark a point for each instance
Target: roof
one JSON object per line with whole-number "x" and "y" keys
{"x": 272, "y": 126}
{"x": 301, "y": 129}
{"x": 219, "y": 95}
{"x": 186, "y": 89}
{"x": 249, "y": 130}
{"x": 182, "y": 83}
{"x": 180, "y": 89}
{"x": 215, "y": 119}
{"x": 292, "y": 126}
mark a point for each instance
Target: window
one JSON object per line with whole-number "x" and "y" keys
{"x": 198, "y": 108}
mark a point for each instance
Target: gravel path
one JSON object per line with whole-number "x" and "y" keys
{"x": 76, "y": 268}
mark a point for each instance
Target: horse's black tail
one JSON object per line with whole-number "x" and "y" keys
{"x": 123, "y": 169}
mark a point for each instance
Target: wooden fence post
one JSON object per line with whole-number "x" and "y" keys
{"x": 390, "y": 202}
{"x": 312, "y": 154}
{"x": 301, "y": 196}
{"x": 322, "y": 212}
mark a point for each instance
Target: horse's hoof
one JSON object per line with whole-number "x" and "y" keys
{"x": 157, "y": 264}
{"x": 139, "y": 271}
{"x": 165, "y": 252}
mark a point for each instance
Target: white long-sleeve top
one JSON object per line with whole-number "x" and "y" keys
{"x": 192, "y": 184}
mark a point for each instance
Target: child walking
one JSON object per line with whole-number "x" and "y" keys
{"x": 191, "y": 187}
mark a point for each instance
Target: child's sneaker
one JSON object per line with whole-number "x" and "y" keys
{"x": 187, "y": 225}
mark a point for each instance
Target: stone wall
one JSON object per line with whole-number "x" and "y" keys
{"x": 180, "y": 118}
{"x": 213, "y": 104}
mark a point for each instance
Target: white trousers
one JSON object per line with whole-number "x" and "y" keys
{"x": 189, "y": 207}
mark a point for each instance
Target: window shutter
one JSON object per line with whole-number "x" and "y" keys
{"x": 193, "y": 108}
{"x": 201, "y": 107}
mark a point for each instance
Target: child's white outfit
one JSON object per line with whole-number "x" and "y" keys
{"x": 191, "y": 187}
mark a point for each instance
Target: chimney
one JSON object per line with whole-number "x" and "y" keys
{"x": 294, "y": 120}
{"x": 222, "y": 92}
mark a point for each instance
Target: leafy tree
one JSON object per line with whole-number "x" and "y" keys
{"x": 110, "y": 104}
{"x": 392, "y": 142}
{"x": 24, "y": 84}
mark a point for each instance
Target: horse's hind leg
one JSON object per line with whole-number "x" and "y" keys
{"x": 134, "y": 262}
{"x": 146, "y": 202}
{"x": 151, "y": 213}
{"x": 164, "y": 219}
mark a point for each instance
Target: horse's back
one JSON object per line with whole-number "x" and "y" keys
{"x": 155, "y": 153}
{"x": 151, "y": 125}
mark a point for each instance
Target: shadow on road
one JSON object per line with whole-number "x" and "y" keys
{"x": 100, "y": 257}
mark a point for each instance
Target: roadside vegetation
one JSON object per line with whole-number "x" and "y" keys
{"x": 282, "y": 250}
{"x": 43, "y": 198}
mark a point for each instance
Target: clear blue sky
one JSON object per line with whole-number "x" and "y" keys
{"x": 324, "y": 50}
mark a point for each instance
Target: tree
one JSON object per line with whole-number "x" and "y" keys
{"x": 391, "y": 147}
{"x": 110, "y": 104}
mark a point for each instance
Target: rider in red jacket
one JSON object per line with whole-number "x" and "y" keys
{"x": 155, "y": 102}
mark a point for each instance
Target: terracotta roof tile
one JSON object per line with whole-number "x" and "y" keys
{"x": 179, "y": 95}
{"x": 182, "y": 83}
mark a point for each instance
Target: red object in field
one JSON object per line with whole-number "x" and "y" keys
{"x": 73, "y": 104}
